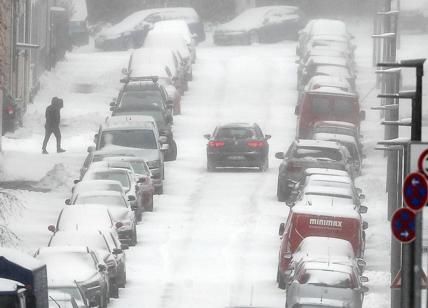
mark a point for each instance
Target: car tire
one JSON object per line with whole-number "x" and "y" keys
{"x": 139, "y": 216}
{"x": 264, "y": 166}
{"x": 150, "y": 208}
{"x": 114, "y": 290}
{"x": 280, "y": 280}
{"x": 122, "y": 283}
{"x": 159, "y": 190}
{"x": 172, "y": 153}
{"x": 134, "y": 240}
{"x": 280, "y": 193}
{"x": 254, "y": 38}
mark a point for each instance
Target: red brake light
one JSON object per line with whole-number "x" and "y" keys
{"x": 216, "y": 144}
{"x": 256, "y": 144}
{"x": 9, "y": 109}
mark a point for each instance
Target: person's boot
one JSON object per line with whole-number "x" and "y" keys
{"x": 60, "y": 150}
{"x": 44, "y": 151}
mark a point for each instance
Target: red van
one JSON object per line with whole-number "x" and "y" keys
{"x": 327, "y": 104}
{"x": 325, "y": 220}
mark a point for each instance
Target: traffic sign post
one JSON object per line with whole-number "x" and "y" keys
{"x": 403, "y": 225}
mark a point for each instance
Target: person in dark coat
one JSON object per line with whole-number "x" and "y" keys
{"x": 53, "y": 119}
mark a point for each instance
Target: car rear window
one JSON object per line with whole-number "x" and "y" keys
{"x": 236, "y": 133}
{"x": 140, "y": 167}
{"x": 316, "y": 153}
{"x": 326, "y": 278}
{"x": 119, "y": 176}
{"x": 133, "y": 138}
{"x": 105, "y": 200}
{"x": 137, "y": 100}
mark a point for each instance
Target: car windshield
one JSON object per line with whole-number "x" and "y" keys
{"x": 318, "y": 153}
{"x": 327, "y": 278}
{"x": 140, "y": 168}
{"x": 117, "y": 201}
{"x": 135, "y": 138}
{"x": 236, "y": 133}
{"x": 95, "y": 242}
{"x": 139, "y": 100}
{"x": 72, "y": 291}
{"x": 115, "y": 175}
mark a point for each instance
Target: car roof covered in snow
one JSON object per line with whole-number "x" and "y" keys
{"x": 128, "y": 121}
{"x": 335, "y": 137}
{"x": 176, "y": 26}
{"x": 335, "y": 123}
{"x": 317, "y": 143}
{"x": 329, "y": 172}
{"x": 186, "y": 13}
{"x": 341, "y": 194}
{"x": 94, "y": 193}
{"x": 317, "y": 245}
{"x": 326, "y": 26}
{"x": 327, "y": 60}
{"x": 330, "y": 209}
{"x": 329, "y": 81}
{"x": 111, "y": 164}
{"x": 151, "y": 56}
{"x": 237, "y": 124}
{"x": 330, "y": 38}
{"x": 329, "y": 178}
{"x": 125, "y": 158}
{"x": 7, "y": 285}
{"x": 84, "y": 217}
{"x": 77, "y": 237}
{"x": 332, "y": 91}
{"x": 327, "y": 266}
{"x": 129, "y": 23}
{"x": 148, "y": 70}
{"x": 20, "y": 258}
{"x": 96, "y": 184}
{"x": 167, "y": 40}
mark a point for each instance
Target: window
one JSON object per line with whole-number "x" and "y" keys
{"x": 120, "y": 176}
{"x": 236, "y": 133}
{"x": 315, "y": 152}
{"x": 136, "y": 138}
{"x": 141, "y": 100}
{"x": 105, "y": 200}
{"x": 327, "y": 278}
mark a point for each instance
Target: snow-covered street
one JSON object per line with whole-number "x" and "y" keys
{"x": 212, "y": 239}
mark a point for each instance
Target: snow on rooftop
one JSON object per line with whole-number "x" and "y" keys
{"x": 312, "y": 246}
{"x": 330, "y": 172}
{"x": 317, "y": 143}
{"x": 20, "y": 258}
{"x": 335, "y": 137}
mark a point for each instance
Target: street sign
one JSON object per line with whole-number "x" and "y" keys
{"x": 396, "y": 283}
{"x": 415, "y": 191}
{"x": 423, "y": 162}
{"x": 403, "y": 225}
{"x": 416, "y": 150}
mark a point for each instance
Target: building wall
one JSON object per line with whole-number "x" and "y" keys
{"x": 5, "y": 43}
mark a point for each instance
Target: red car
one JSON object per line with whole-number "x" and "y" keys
{"x": 325, "y": 220}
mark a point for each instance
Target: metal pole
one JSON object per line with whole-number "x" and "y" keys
{"x": 1, "y": 114}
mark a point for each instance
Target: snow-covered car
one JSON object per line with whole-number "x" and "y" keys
{"x": 135, "y": 136}
{"x": 71, "y": 265}
{"x": 322, "y": 26}
{"x": 129, "y": 33}
{"x": 146, "y": 99}
{"x": 266, "y": 24}
{"x": 303, "y": 154}
{"x": 114, "y": 258}
{"x": 326, "y": 281}
{"x": 127, "y": 180}
{"x": 317, "y": 82}
{"x": 144, "y": 176}
{"x": 349, "y": 142}
{"x": 333, "y": 42}
{"x": 121, "y": 212}
{"x": 175, "y": 43}
{"x": 72, "y": 218}
{"x": 180, "y": 28}
{"x": 237, "y": 145}
{"x": 338, "y": 127}
{"x": 325, "y": 51}
{"x": 109, "y": 185}
{"x": 144, "y": 61}
{"x": 63, "y": 300}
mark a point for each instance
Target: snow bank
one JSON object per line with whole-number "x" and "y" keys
{"x": 57, "y": 177}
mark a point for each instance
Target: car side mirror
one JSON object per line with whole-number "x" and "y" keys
{"x": 361, "y": 264}
{"x": 362, "y": 197}
{"x": 51, "y": 228}
{"x": 76, "y": 181}
{"x": 124, "y": 246}
{"x": 163, "y": 139}
{"x": 112, "y": 109}
{"x": 365, "y": 225}
{"x": 279, "y": 155}
{"x": 281, "y": 229}
{"x": 117, "y": 251}
{"x": 364, "y": 279}
{"x": 92, "y": 148}
{"x": 102, "y": 267}
{"x": 267, "y": 137}
{"x": 207, "y": 136}
{"x": 67, "y": 201}
{"x": 131, "y": 198}
{"x": 363, "y": 209}
{"x": 362, "y": 115}
{"x": 164, "y": 147}
{"x": 113, "y": 104}
{"x": 125, "y": 71}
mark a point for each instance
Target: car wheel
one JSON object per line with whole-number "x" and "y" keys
{"x": 140, "y": 216}
{"x": 279, "y": 192}
{"x": 122, "y": 283}
{"x": 159, "y": 190}
{"x": 280, "y": 280}
{"x": 254, "y": 38}
{"x": 114, "y": 290}
{"x": 172, "y": 155}
{"x": 134, "y": 237}
{"x": 150, "y": 208}
{"x": 264, "y": 165}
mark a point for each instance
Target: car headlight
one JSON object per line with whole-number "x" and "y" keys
{"x": 153, "y": 164}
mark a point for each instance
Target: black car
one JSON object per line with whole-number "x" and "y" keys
{"x": 237, "y": 145}
{"x": 151, "y": 99}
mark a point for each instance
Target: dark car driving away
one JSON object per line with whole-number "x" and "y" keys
{"x": 238, "y": 145}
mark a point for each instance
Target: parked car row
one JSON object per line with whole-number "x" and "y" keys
{"x": 131, "y": 32}
{"x": 121, "y": 173}
{"x": 321, "y": 256}
{"x": 267, "y": 24}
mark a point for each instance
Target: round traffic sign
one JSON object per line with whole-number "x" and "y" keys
{"x": 415, "y": 191}
{"x": 403, "y": 225}
{"x": 423, "y": 162}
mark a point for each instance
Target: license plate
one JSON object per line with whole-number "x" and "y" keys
{"x": 236, "y": 157}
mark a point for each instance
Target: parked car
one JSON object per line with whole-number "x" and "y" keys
{"x": 137, "y": 137}
{"x": 334, "y": 42}
{"x": 122, "y": 214}
{"x": 146, "y": 99}
{"x": 89, "y": 273}
{"x": 338, "y": 127}
{"x": 328, "y": 281}
{"x": 327, "y": 104}
{"x": 319, "y": 219}
{"x": 237, "y": 145}
{"x": 109, "y": 185}
{"x": 266, "y": 24}
{"x": 174, "y": 42}
{"x": 113, "y": 257}
{"x": 144, "y": 176}
{"x": 127, "y": 34}
{"x": 303, "y": 154}
{"x": 320, "y": 27}
{"x": 180, "y": 28}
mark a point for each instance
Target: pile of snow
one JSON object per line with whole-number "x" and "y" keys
{"x": 57, "y": 177}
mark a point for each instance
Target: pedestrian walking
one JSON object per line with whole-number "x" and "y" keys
{"x": 53, "y": 118}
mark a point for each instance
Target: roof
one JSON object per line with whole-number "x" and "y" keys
{"x": 128, "y": 121}
{"x": 332, "y": 81}
{"x": 330, "y": 178}
{"x": 327, "y": 209}
{"x": 334, "y": 172}
{"x": 336, "y": 137}
{"x": 19, "y": 258}
{"x": 100, "y": 193}
{"x": 327, "y": 26}
{"x": 331, "y": 60}
{"x": 7, "y": 285}
{"x": 97, "y": 183}
{"x": 317, "y": 245}
{"x": 317, "y": 143}
{"x": 332, "y": 90}
{"x": 328, "y": 266}
{"x": 337, "y": 192}
{"x": 111, "y": 164}
{"x": 336, "y": 123}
